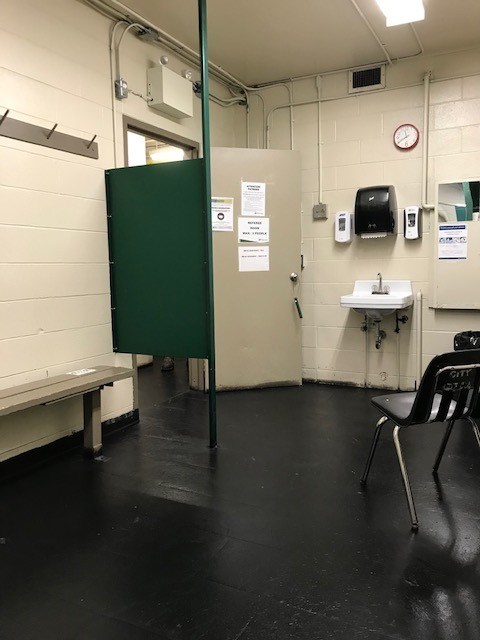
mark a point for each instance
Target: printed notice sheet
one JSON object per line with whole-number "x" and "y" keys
{"x": 452, "y": 242}
{"x": 253, "y": 198}
{"x": 222, "y": 214}
{"x": 253, "y": 230}
{"x": 253, "y": 259}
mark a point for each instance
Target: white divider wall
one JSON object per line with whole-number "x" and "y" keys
{"x": 54, "y": 289}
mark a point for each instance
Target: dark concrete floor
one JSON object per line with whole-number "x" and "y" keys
{"x": 270, "y": 537}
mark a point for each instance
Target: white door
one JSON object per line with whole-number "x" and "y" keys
{"x": 257, "y": 323}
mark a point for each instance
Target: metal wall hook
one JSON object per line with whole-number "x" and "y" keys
{"x": 91, "y": 141}
{"x": 4, "y": 116}
{"x": 52, "y": 130}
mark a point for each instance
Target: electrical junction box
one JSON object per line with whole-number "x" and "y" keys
{"x": 169, "y": 92}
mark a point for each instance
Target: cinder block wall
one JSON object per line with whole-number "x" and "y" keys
{"x": 54, "y": 289}
{"x": 357, "y": 151}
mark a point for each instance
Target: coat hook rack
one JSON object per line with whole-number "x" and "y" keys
{"x": 49, "y": 134}
{"x": 4, "y": 116}
{"x": 32, "y": 133}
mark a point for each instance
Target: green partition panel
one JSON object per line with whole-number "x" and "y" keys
{"x": 158, "y": 259}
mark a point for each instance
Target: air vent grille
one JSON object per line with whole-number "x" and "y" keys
{"x": 366, "y": 79}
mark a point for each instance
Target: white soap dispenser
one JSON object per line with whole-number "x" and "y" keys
{"x": 343, "y": 226}
{"x": 413, "y": 223}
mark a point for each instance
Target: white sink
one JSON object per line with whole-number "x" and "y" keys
{"x": 376, "y": 305}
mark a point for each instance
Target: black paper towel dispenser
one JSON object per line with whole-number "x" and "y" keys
{"x": 375, "y": 211}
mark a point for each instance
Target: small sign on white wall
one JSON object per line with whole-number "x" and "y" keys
{"x": 253, "y": 259}
{"x": 253, "y": 198}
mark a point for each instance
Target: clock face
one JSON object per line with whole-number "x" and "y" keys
{"x": 406, "y": 137}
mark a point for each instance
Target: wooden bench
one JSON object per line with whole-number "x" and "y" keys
{"x": 83, "y": 382}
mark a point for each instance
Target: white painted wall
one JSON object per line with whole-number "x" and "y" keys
{"x": 54, "y": 289}
{"x": 357, "y": 151}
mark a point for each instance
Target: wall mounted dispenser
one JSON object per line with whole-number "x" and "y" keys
{"x": 343, "y": 227}
{"x": 375, "y": 209}
{"x": 412, "y": 218}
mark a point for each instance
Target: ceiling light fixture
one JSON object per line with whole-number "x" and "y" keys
{"x": 402, "y": 11}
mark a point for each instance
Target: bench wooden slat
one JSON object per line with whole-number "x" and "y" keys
{"x": 58, "y": 387}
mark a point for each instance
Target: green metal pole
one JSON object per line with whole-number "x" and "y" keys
{"x": 202, "y": 24}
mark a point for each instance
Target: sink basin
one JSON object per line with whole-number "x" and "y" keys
{"x": 374, "y": 305}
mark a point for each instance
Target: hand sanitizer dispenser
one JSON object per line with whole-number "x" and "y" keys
{"x": 343, "y": 227}
{"x": 413, "y": 223}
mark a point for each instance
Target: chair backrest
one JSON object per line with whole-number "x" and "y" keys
{"x": 454, "y": 376}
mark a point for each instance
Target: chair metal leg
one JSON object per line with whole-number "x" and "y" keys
{"x": 441, "y": 451}
{"x": 406, "y": 482}
{"x": 476, "y": 430}
{"x": 373, "y": 448}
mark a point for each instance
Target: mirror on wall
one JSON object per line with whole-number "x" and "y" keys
{"x": 458, "y": 201}
{"x": 456, "y": 246}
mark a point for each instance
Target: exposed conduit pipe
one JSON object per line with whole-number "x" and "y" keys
{"x": 292, "y": 102}
{"x": 133, "y": 25}
{"x": 223, "y": 76}
{"x": 260, "y": 97}
{"x": 318, "y": 83}
{"x": 419, "y": 329}
{"x": 167, "y": 40}
{"x": 426, "y": 127}
{"x": 415, "y": 33}
{"x": 372, "y": 31}
{"x": 112, "y": 89}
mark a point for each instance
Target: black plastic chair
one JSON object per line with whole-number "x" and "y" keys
{"x": 448, "y": 391}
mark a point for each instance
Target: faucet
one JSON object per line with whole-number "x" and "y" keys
{"x": 379, "y": 288}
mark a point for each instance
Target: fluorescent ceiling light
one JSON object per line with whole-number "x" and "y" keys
{"x": 167, "y": 154}
{"x": 402, "y": 11}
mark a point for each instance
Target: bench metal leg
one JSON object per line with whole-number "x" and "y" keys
{"x": 441, "y": 451}
{"x": 406, "y": 482}
{"x": 92, "y": 423}
{"x": 373, "y": 448}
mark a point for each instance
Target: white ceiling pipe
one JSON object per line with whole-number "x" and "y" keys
{"x": 169, "y": 40}
{"x": 426, "y": 129}
{"x": 318, "y": 84}
{"x": 112, "y": 88}
{"x": 190, "y": 55}
{"x": 372, "y": 31}
{"x": 418, "y": 329}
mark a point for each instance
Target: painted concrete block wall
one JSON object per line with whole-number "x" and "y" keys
{"x": 54, "y": 289}
{"x": 357, "y": 151}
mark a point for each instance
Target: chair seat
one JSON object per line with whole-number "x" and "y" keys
{"x": 398, "y": 406}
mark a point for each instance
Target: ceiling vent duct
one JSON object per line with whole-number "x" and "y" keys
{"x": 366, "y": 78}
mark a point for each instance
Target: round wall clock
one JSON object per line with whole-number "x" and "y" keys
{"x": 406, "y": 137}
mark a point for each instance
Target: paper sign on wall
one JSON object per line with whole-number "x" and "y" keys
{"x": 222, "y": 214}
{"x": 253, "y": 259}
{"x": 253, "y": 230}
{"x": 253, "y": 198}
{"x": 452, "y": 242}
